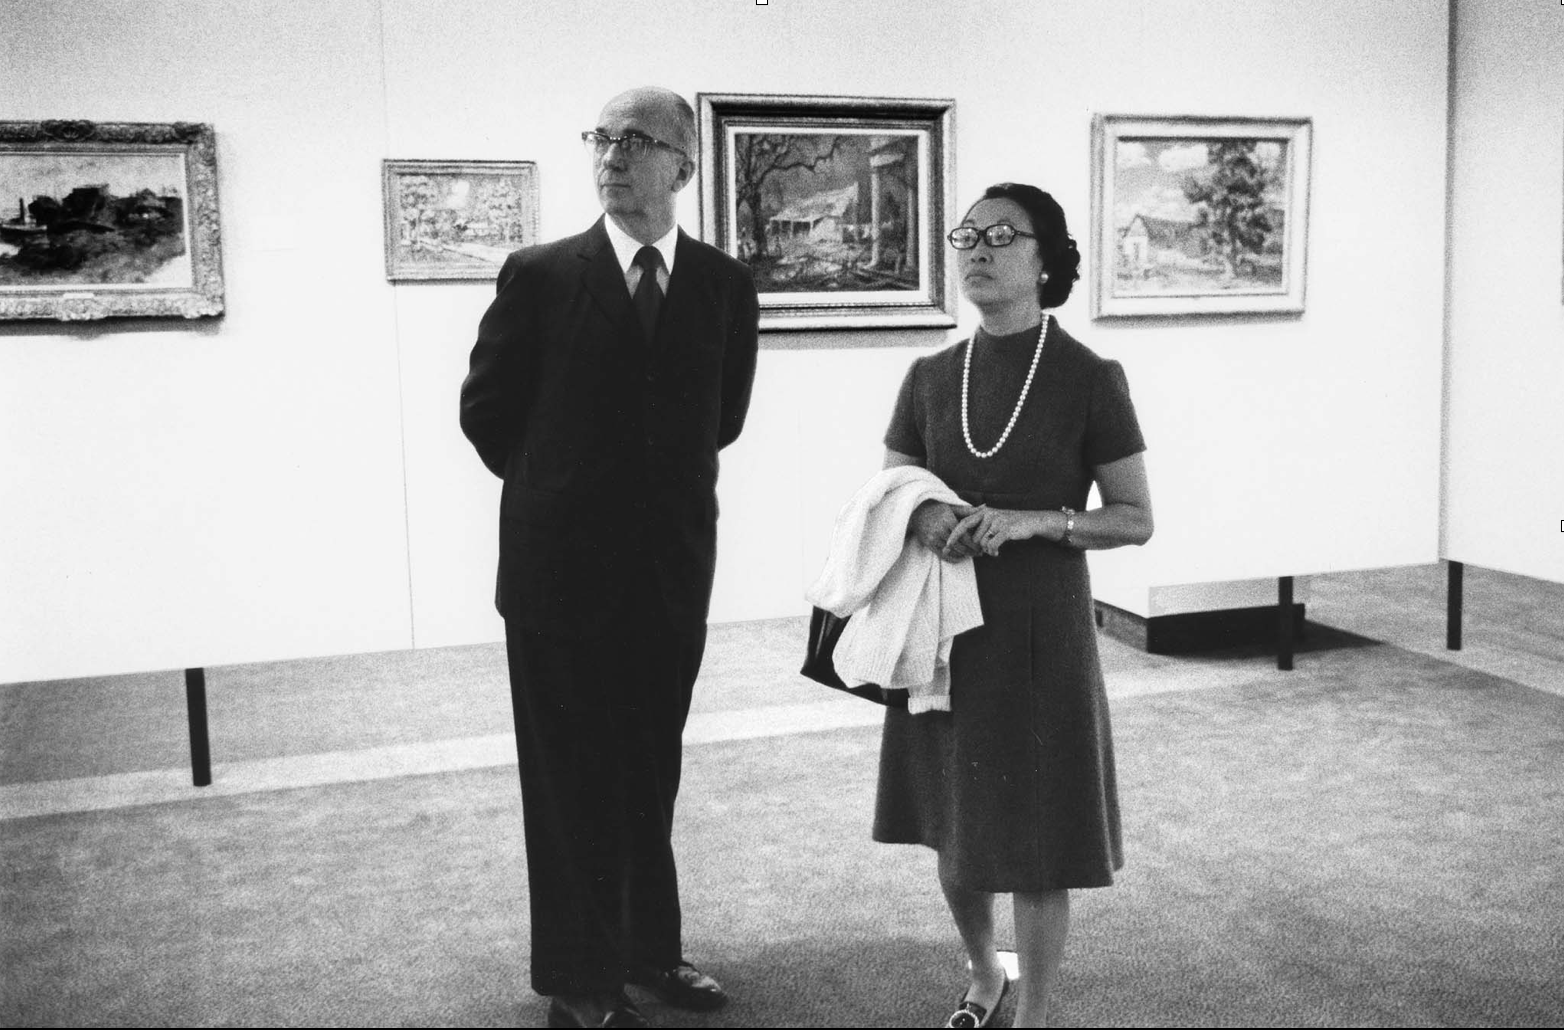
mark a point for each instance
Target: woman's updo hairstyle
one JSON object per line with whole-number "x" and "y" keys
{"x": 1061, "y": 259}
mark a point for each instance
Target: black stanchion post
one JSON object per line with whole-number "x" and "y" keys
{"x": 1284, "y": 627}
{"x": 200, "y": 743}
{"x": 1453, "y": 605}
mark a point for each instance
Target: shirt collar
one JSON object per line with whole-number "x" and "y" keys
{"x": 626, "y": 246}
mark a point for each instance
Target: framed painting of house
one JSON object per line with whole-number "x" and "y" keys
{"x": 109, "y": 220}
{"x": 1196, "y": 216}
{"x": 837, "y": 204}
{"x": 457, "y": 219}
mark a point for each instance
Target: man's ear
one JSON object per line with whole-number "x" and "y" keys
{"x": 686, "y": 174}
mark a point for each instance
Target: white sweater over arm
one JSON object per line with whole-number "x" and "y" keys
{"x": 907, "y": 603}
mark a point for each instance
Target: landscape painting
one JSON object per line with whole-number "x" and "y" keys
{"x": 104, "y": 219}
{"x": 838, "y": 205}
{"x": 457, "y": 219}
{"x": 828, "y": 212}
{"x": 1199, "y": 216}
{"x": 113, "y": 219}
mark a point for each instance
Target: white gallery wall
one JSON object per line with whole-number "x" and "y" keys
{"x": 290, "y": 480}
{"x": 224, "y": 490}
{"x": 1505, "y": 434}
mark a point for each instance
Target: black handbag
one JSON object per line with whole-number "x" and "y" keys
{"x": 825, "y": 630}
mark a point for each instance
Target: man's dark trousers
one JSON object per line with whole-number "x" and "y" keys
{"x": 599, "y": 732}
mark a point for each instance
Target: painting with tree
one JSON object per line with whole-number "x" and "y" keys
{"x": 828, "y": 212}
{"x": 837, "y": 204}
{"x": 457, "y": 219}
{"x": 1199, "y": 216}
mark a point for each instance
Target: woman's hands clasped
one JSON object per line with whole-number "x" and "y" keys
{"x": 987, "y": 529}
{"x": 934, "y": 524}
{"x": 958, "y": 531}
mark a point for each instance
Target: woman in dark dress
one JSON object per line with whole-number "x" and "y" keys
{"x": 1014, "y": 786}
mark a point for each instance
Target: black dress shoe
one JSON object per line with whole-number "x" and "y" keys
{"x": 969, "y": 1014}
{"x": 682, "y": 986}
{"x": 617, "y": 1012}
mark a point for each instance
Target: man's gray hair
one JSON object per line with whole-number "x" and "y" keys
{"x": 689, "y": 135}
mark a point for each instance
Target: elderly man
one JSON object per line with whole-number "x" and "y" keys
{"x": 608, "y": 372}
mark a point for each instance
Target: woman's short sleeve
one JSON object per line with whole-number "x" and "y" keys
{"x": 905, "y": 433}
{"x": 1112, "y": 431}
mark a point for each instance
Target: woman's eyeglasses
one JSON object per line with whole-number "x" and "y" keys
{"x": 1001, "y": 234}
{"x": 631, "y": 146}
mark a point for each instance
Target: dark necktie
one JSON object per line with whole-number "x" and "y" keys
{"x": 648, "y": 295}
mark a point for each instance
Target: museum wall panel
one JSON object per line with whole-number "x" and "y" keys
{"x": 1504, "y": 492}
{"x": 1294, "y": 445}
{"x": 290, "y": 479}
{"x": 225, "y": 490}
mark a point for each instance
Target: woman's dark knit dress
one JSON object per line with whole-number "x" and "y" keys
{"x": 1015, "y": 785}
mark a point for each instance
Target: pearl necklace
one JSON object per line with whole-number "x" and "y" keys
{"x": 966, "y": 378}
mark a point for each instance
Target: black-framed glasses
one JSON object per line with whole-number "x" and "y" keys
{"x": 1000, "y": 234}
{"x": 632, "y": 145}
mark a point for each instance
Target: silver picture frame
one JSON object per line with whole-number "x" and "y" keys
{"x": 456, "y": 220}
{"x": 838, "y": 204}
{"x": 109, "y": 220}
{"x": 1199, "y": 215}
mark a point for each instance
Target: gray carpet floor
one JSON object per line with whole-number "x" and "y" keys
{"x": 1371, "y": 840}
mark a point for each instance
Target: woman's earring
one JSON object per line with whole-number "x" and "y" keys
{"x": 1043, "y": 278}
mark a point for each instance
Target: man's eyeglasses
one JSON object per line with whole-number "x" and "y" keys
{"x": 1001, "y": 234}
{"x": 632, "y": 146}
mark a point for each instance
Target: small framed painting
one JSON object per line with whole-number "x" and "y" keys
{"x": 838, "y": 205}
{"x": 1194, "y": 216}
{"x": 457, "y": 219}
{"x": 109, "y": 220}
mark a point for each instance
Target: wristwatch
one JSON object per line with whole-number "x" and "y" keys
{"x": 1069, "y": 527}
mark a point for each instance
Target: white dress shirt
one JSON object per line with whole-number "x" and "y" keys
{"x": 627, "y": 246}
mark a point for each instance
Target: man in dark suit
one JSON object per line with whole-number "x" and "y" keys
{"x": 609, "y": 370}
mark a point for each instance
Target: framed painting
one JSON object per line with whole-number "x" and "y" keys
{"x": 109, "y": 220}
{"x": 838, "y": 205}
{"x": 457, "y": 219}
{"x": 1197, "y": 216}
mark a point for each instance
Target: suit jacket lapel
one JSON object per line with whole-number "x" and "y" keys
{"x": 605, "y": 281}
{"x": 684, "y": 286}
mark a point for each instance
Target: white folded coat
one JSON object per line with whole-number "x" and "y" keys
{"x": 907, "y": 603}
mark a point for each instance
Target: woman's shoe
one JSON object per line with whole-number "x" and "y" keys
{"x": 969, "y": 1014}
